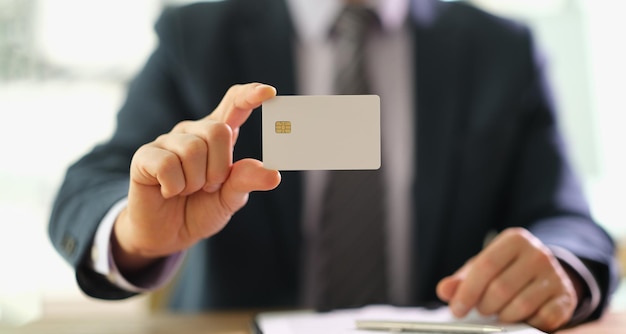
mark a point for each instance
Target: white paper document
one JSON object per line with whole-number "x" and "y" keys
{"x": 345, "y": 321}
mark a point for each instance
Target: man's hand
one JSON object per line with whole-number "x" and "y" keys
{"x": 515, "y": 277}
{"x": 184, "y": 185}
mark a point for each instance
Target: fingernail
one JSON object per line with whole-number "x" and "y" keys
{"x": 459, "y": 308}
{"x": 264, "y": 86}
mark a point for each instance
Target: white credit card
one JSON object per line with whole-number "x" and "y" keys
{"x": 329, "y": 132}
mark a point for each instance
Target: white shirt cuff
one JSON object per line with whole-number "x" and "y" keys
{"x": 588, "y": 305}
{"x": 103, "y": 263}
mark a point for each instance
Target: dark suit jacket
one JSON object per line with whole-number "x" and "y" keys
{"x": 489, "y": 152}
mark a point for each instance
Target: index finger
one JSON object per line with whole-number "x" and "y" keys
{"x": 486, "y": 266}
{"x": 239, "y": 101}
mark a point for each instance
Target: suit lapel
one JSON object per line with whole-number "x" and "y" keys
{"x": 441, "y": 73}
{"x": 265, "y": 45}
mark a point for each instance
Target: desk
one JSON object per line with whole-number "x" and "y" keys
{"x": 209, "y": 323}
{"x": 219, "y": 322}
{"x": 611, "y": 323}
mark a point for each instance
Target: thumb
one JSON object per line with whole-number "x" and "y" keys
{"x": 247, "y": 175}
{"x": 446, "y": 288}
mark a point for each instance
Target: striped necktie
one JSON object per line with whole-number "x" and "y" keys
{"x": 350, "y": 266}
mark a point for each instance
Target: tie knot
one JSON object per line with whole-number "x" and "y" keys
{"x": 350, "y": 35}
{"x": 354, "y": 21}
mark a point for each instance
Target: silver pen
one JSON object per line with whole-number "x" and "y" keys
{"x": 426, "y": 327}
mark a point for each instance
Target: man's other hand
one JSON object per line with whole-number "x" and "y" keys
{"x": 517, "y": 278}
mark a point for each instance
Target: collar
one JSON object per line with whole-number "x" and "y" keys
{"x": 313, "y": 19}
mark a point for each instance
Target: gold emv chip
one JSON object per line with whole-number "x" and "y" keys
{"x": 282, "y": 127}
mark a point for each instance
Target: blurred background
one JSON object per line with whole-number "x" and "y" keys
{"x": 64, "y": 66}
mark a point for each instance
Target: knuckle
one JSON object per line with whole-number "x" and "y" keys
{"x": 219, "y": 132}
{"x": 233, "y": 204}
{"x": 520, "y": 236}
{"x": 524, "y": 306}
{"x": 517, "y": 232}
{"x": 489, "y": 305}
{"x": 180, "y": 126}
{"x": 569, "y": 302}
{"x": 143, "y": 149}
{"x": 497, "y": 296}
{"x": 487, "y": 264}
{"x": 168, "y": 164}
{"x": 216, "y": 178}
{"x": 501, "y": 289}
{"x": 551, "y": 317}
{"x": 160, "y": 139}
{"x": 542, "y": 258}
{"x": 484, "y": 309}
{"x": 509, "y": 314}
{"x": 233, "y": 89}
{"x": 561, "y": 285}
{"x": 194, "y": 147}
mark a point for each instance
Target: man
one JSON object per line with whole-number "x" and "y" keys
{"x": 471, "y": 145}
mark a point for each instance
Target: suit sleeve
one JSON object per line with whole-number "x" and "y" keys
{"x": 93, "y": 184}
{"x": 547, "y": 197}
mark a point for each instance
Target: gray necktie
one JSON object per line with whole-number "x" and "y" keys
{"x": 351, "y": 268}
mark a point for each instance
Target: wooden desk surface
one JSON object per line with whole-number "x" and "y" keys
{"x": 209, "y": 323}
{"x": 219, "y": 322}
